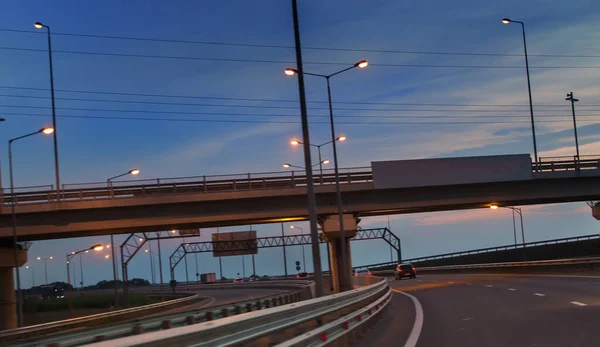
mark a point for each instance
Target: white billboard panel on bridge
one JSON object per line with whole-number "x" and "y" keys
{"x": 449, "y": 171}
{"x": 234, "y": 243}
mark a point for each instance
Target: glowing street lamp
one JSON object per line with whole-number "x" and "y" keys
{"x": 362, "y": 64}
{"x": 97, "y": 247}
{"x": 32, "y": 275}
{"x": 288, "y": 165}
{"x": 508, "y": 21}
{"x": 39, "y": 25}
{"x": 341, "y": 138}
{"x": 344, "y": 280}
{"x": 45, "y": 266}
{"x": 519, "y": 211}
{"x": 46, "y": 130}
{"x": 132, "y": 172}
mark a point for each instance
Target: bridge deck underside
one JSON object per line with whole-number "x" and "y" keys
{"x": 183, "y": 211}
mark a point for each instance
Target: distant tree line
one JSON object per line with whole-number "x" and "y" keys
{"x": 134, "y": 282}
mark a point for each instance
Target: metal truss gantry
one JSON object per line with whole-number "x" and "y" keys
{"x": 136, "y": 241}
{"x": 276, "y": 241}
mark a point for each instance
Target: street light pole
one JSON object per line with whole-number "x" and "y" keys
{"x": 507, "y": 21}
{"x": 114, "y": 264}
{"x": 310, "y": 188}
{"x": 151, "y": 262}
{"x": 70, "y": 257}
{"x": 187, "y": 275}
{"x": 81, "y": 269}
{"x": 321, "y": 161}
{"x": 162, "y": 291}
{"x": 344, "y": 276}
{"x": 519, "y": 211}
{"x": 47, "y": 131}
{"x": 220, "y": 262}
{"x": 344, "y": 279}
{"x": 45, "y": 266}
{"x": 571, "y": 98}
{"x": 39, "y": 25}
{"x": 288, "y": 165}
{"x": 32, "y": 275}
{"x": 112, "y": 243}
{"x": 514, "y": 227}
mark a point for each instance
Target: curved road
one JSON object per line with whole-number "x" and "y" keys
{"x": 490, "y": 310}
{"x": 217, "y": 297}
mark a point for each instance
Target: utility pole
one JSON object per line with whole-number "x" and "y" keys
{"x": 220, "y": 263}
{"x": 310, "y": 189}
{"x": 571, "y": 98}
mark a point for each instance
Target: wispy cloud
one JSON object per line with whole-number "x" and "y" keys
{"x": 586, "y": 149}
{"x": 479, "y": 215}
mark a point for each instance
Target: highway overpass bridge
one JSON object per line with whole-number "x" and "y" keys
{"x": 394, "y": 187}
{"x": 211, "y": 201}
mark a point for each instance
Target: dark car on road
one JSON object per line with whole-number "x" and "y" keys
{"x": 405, "y": 270}
{"x": 302, "y": 275}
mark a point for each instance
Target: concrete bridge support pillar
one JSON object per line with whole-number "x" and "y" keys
{"x": 8, "y": 300}
{"x": 331, "y": 231}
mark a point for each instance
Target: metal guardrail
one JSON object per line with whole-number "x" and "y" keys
{"x": 528, "y": 265}
{"x": 486, "y": 250}
{"x": 239, "y": 182}
{"x": 572, "y": 158}
{"x": 196, "y": 184}
{"x": 30, "y": 336}
{"x": 52, "y": 327}
{"x": 367, "y": 300}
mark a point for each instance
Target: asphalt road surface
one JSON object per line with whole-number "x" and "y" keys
{"x": 490, "y": 310}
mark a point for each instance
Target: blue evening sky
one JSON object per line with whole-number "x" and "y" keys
{"x": 491, "y": 117}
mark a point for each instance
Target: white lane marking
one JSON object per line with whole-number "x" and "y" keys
{"x": 489, "y": 285}
{"x": 450, "y": 282}
{"x": 210, "y": 302}
{"x": 470, "y": 318}
{"x": 539, "y": 294}
{"x": 512, "y": 289}
{"x": 413, "y": 338}
{"x": 578, "y": 303}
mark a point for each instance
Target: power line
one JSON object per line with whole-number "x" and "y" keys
{"x": 265, "y": 107}
{"x": 290, "y": 122}
{"x": 231, "y": 60}
{"x": 283, "y": 100}
{"x": 265, "y": 115}
{"x": 333, "y": 49}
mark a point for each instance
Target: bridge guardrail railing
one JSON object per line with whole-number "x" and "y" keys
{"x": 241, "y": 182}
{"x": 193, "y": 184}
{"x": 96, "y": 331}
{"x": 343, "y": 309}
